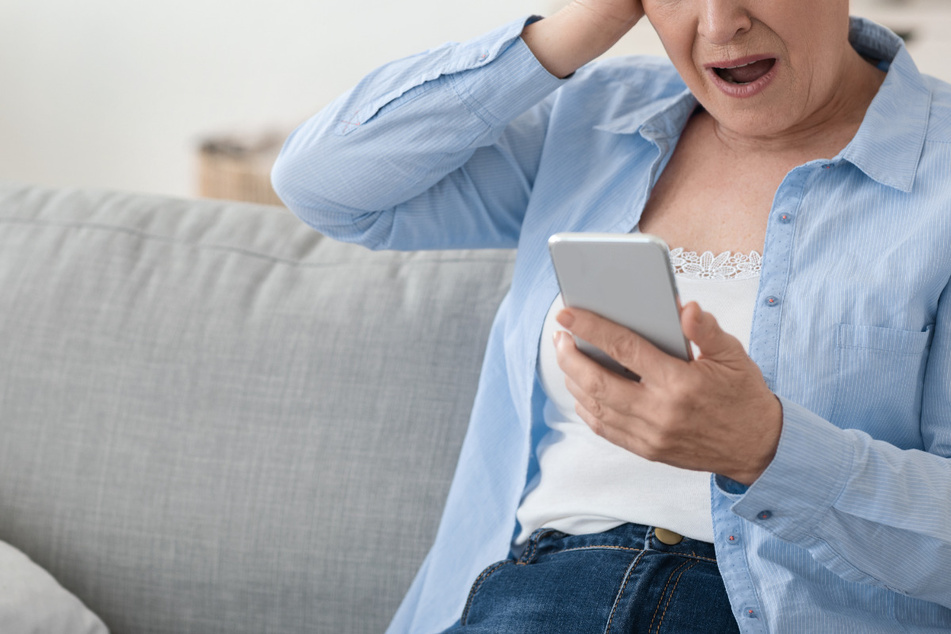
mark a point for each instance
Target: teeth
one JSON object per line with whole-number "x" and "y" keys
{"x": 740, "y": 66}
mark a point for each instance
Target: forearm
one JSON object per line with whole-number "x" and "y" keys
{"x": 579, "y": 33}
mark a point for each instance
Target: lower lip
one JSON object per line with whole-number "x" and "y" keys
{"x": 744, "y": 91}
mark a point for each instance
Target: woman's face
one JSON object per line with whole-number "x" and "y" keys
{"x": 761, "y": 68}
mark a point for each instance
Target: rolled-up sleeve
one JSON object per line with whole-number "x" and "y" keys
{"x": 437, "y": 150}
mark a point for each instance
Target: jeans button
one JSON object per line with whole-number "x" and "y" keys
{"x": 665, "y": 536}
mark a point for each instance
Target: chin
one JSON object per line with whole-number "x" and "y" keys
{"x": 749, "y": 118}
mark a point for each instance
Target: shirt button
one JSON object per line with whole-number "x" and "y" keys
{"x": 764, "y": 515}
{"x": 772, "y": 301}
{"x": 750, "y": 613}
{"x": 733, "y": 540}
{"x": 785, "y": 218}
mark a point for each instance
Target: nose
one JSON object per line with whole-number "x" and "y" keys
{"x": 723, "y": 20}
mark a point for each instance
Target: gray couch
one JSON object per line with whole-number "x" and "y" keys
{"x": 216, "y": 420}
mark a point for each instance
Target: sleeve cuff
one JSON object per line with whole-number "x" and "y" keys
{"x": 510, "y": 79}
{"x": 803, "y": 481}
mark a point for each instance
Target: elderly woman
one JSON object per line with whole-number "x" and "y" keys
{"x": 795, "y": 476}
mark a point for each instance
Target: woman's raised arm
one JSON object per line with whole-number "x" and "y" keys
{"x": 440, "y": 150}
{"x": 437, "y": 150}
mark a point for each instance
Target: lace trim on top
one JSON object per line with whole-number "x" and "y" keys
{"x": 706, "y": 266}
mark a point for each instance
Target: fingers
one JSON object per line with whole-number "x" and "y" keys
{"x": 702, "y": 328}
{"x": 627, "y": 348}
{"x": 685, "y": 414}
{"x": 605, "y": 401}
{"x": 599, "y": 390}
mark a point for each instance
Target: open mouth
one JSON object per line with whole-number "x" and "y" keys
{"x": 746, "y": 73}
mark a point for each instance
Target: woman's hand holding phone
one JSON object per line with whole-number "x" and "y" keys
{"x": 714, "y": 413}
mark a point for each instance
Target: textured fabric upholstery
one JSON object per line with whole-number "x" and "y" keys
{"x": 216, "y": 420}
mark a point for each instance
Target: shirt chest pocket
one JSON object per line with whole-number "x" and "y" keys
{"x": 879, "y": 374}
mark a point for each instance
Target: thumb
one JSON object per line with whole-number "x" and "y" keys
{"x": 702, "y": 328}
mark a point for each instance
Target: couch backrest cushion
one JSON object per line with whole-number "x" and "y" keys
{"x": 216, "y": 420}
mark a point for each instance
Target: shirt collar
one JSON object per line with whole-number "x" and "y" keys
{"x": 663, "y": 118}
{"x": 888, "y": 144}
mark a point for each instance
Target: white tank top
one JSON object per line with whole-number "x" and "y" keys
{"x": 588, "y": 485}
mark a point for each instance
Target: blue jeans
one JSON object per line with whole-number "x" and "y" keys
{"x": 622, "y": 580}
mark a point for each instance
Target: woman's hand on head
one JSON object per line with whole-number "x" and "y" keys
{"x": 714, "y": 413}
{"x": 580, "y": 32}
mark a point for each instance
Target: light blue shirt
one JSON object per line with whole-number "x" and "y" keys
{"x": 475, "y": 145}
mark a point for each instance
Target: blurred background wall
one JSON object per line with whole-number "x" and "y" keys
{"x": 122, "y": 93}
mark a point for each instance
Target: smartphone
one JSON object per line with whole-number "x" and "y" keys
{"x": 624, "y": 277}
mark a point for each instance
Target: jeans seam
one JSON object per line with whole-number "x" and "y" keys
{"x": 695, "y": 556}
{"x": 477, "y": 585}
{"x": 627, "y": 579}
{"x": 601, "y": 547}
{"x": 681, "y": 570}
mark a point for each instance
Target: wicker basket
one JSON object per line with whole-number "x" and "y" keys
{"x": 237, "y": 168}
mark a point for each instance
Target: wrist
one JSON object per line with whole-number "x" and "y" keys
{"x": 767, "y": 443}
{"x": 574, "y": 36}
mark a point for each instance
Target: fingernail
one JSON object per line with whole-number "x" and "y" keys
{"x": 565, "y": 318}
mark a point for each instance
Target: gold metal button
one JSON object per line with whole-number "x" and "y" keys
{"x": 668, "y": 537}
